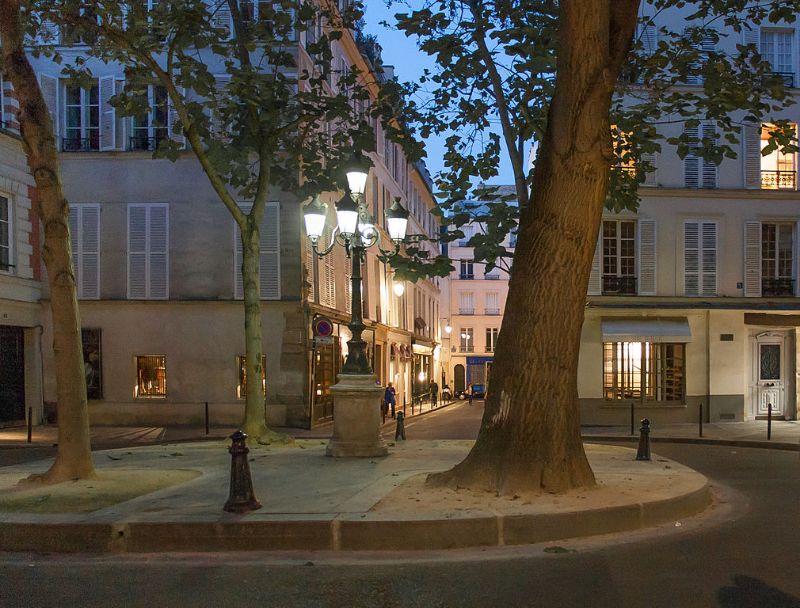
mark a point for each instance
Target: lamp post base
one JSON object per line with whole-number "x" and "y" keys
{"x": 356, "y": 418}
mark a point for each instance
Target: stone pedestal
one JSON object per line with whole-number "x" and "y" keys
{"x": 356, "y": 418}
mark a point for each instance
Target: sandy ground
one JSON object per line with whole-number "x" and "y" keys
{"x": 85, "y": 496}
{"x": 617, "y": 484}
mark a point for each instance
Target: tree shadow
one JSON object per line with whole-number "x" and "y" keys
{"x": 749, "y": 592}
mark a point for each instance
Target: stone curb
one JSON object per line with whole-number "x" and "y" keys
{"x": 740, "y": 443}
{"x": 345, "y": 532}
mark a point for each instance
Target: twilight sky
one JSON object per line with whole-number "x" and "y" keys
{"x": 402, "y": 53}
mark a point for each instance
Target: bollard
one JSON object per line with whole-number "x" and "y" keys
{"x": 241, "y": 497}
{"x": 383, "y": 410}
{"x": 769, "y": 421}
{"x": 206, "y": 417}
{"x": 700, "y": 419}
{"x": 412, "y": 405}
{"x": 404, "y": 406}
{"x": 632, "y": 431}
{"x": 643, "y": 453}
{"x": 400, "y": 432}
{"x": 30, "y": 424}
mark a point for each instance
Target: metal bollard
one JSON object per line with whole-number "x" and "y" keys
{"x": 206, "y": 417}
{"x": 400, "y": 432}
{"x": 632, "y": 431}
{"x": 643, "y": 453}
{"x": 241, "y": 498}
{"x": 30, "y": 424}
{"x": 700, "y": 419}
{"x": 769, "y": 421}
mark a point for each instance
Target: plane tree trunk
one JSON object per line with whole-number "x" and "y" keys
{"x": 74, "y": 458}
{"x": 530, "y": 435}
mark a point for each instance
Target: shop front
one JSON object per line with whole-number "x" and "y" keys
{"x": 421, "y": 370}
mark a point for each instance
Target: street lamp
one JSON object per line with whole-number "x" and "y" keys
{"x": 353, "y": 432}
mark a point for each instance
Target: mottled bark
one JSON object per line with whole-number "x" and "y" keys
{"x": 74, "y": 459}
{"x": 530, "y": 435}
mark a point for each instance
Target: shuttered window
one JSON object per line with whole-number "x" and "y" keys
{"x": 148, "y": 251}
{"x": 6, "y": 234}
{"x": 269, "y": 259}
{"x": 777, "y": 252}
{"x": 776, "y": 49}
{"x": 698, "y": 172}
{"x": 700, "y": 258}
{"x": 466, "y": 303}
{"x": 619, "y": 257}
{"x": 752, "y": 259}
{"x": 327, "y": 292}
{"x": 647, "y": 257}
{"x": 84, "y": 232}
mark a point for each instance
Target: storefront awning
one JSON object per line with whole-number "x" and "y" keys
{"x": 672, "y": 329}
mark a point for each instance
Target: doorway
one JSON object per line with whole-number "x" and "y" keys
{"x": 12, "y": 375}
{"x": 769, "y": 374}
{"x": 459, "y": 379}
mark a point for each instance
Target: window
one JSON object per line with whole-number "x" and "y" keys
{"x": 700, "y": 258}
{"x": 466, "y": 303}
{"x": 778, "y": 170}
{"x": 469, "y": 232}
{"x": 92, "y": 363}
{"x": 619, "y": 257}
{"x": 777, "y": 244}
{"x": 151, "y": 376}
{"x": 467, "y": 271}
{"x": 84, "y": 229}
{"x": 644, "y": 371}
{"x": 776, "y": 49}
{"x": 491, "y": 338}
{"x": 70, "y": 35}
{"x": 467, "y": 342}
{"x": 152, "y": 127}
{"x": 699, "y": 172}
{"x": 82, "y": 118}
{"x": 269, "y": 259}
{"x": 148, "y": 251}
{"x": 241, "y": 365}
{"x": 492, "y": 303}
{"x": 6, "y": 234}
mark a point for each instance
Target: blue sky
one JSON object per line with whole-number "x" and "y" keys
{"x": 409, "y": 62}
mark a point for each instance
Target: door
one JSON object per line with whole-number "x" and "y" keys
{"x": 12, "y": 375}
{"x": 770, "y": 374}
{"x": 459, "y": 379}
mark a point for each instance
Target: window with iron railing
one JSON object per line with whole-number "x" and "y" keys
{"x": 466, "y": 270}
{"x": 778, "y": 168}
{"x": 467, "y": 335}
{"x": 777, "y": 246}
{"x": 491, "y": 338}
{"x": 776, "y": 49}
{"x": 619, "y": 257}
{"x": 82, "y": 114}
{"x": 644, "y": 371}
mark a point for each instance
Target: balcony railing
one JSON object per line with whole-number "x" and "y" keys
{"x": 466, "y": 349}
{"x": 788, "y": 78}
{"x": 778, "y": 180}
{"x": 464, "y": 276}
{"x": 145, "y": 144}
{"x": 777, "y": 287}
{"x": 466, "y": 311}
{"x": 492, "y": 277}
{"x": 77, "y": 144}
{"x": 492, "y": 311}
{"x": 613, "y": 285}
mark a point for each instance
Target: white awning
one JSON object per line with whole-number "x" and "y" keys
{"x": 672, "y": 329}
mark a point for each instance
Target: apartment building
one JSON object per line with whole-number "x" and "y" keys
{"x": 21, "y": 315}
{"x": 694, "y": 299}
{"x": 157, "y": 258}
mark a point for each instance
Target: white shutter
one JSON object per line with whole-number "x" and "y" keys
{"x": 270, "y": 267}
{"x": 647, "y": 257}
{"x": 647, "y": 36}
{"x": 751, "y": 148}
{"x": 158, "y": 246}
{"x": 238, "y": 281}
{"x": 119, "y": 120}
{"x": 328, "y": 294}
{"x": 709, "y": 167}
{"x": 173, "y": 120}
{"x": 691, "y": 258}
{"x": 107, "y": 113}
{"x": 708, "y": 266}
{"x": 90, "y": 251}
{"x": 49, "y": 87}
{"x": 137, "y": 251}
{"x": 148, "y": 251}
{"x": 752, "y": 259}
{"x": 650, "y": 176}
{"x": 221, "y": 16}
{"x": 691, "y": 163}
{"x": 751, "y": 35}
{"x": 310, "y": 271}
{"x": 596, "y": 275}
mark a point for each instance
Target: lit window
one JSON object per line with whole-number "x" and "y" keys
{"x": 151, "y": 376}
{"x": 778, "y": 171}
{"x": 644, "y": 371}
{"x": 241, "y": 364}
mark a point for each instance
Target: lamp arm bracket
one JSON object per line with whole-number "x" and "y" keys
{"x": 321, "y": 253}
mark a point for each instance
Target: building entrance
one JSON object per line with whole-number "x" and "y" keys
{"x": 769, "y": 370}
{"x": 12, "y": 375}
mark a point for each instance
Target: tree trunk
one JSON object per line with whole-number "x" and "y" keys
{"x": 530, "y": 435}
{"x": 74, "y": 458}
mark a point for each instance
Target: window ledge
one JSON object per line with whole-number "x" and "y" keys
{"x": 639, "y": 405}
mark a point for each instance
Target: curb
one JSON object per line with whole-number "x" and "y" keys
{"x": 345, "y": 532}
{"x": 740, "y": 443}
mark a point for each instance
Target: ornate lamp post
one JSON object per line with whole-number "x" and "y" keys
{"x": 356, "y": 423}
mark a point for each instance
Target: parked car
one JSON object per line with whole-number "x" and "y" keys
{"x": 478, "y": 392}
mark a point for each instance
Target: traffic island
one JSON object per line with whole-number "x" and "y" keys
{"x": 311, "y": 502}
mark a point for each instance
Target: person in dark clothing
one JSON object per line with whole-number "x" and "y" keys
{"x": 389, "y": 397}
{"x": 434, "y": 389}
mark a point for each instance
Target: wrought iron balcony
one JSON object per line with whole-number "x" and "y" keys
{"x": 78, "y": 144}
{"x": 143, "y": 143}
{"x": 466, "y": 311}
{"x": 466, "y": 276}
{"x": 623, "y": 286}
{"x": 778, "y": 180}
{"x": 771, "y": 287}
{"x": 788, "y": 78}
{"x": 492, "y": 311}
{"x": 466, "y": 349}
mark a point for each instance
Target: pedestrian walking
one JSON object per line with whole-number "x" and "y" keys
{"x": 469, "y": 393}
{"x": 434, "y": 388}
{"x": 389, "y": 397}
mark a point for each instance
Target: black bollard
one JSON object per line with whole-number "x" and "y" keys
{"x": 643, "y": 453}
{"x": 30, "y": 424}
{"x": 400, "y": 432}
{"x": 206, "y": 417}
{"x": 241, "y": 497}
{"x": 700, "y": 419}
{"x": 769, "y": 421}
{"x": 632, "y": 423}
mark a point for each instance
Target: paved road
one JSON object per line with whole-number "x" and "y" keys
{"x": 751, "y": 560}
